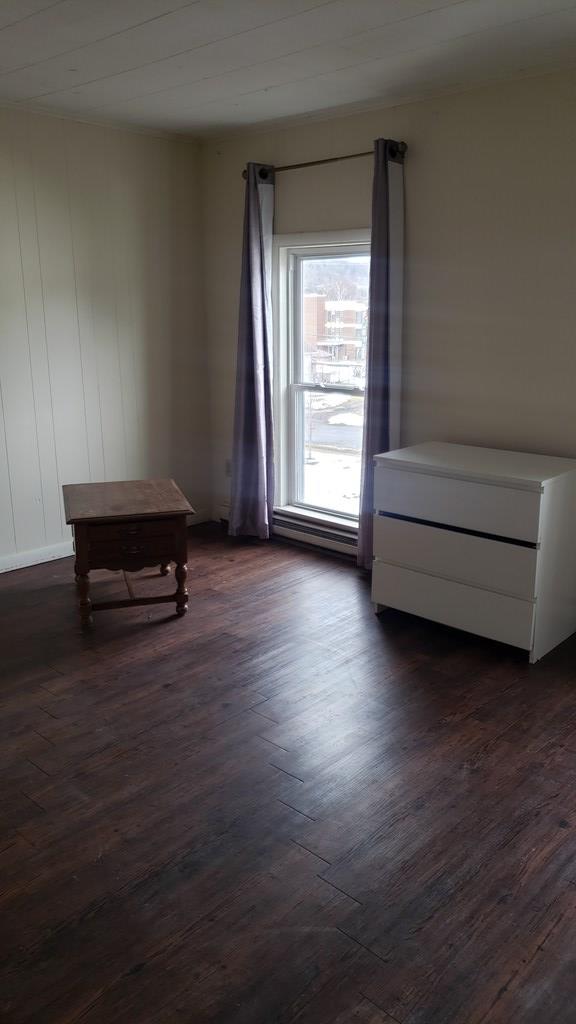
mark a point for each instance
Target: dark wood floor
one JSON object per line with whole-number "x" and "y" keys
{"x": 280, "y": 808}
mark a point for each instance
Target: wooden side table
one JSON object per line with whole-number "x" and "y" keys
{"x": 128, "y": 525}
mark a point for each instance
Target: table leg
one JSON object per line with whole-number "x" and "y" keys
{"x": 181, "y": 594}
{"x": 83, "y": 589}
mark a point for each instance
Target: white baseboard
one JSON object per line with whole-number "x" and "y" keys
{"x": 21, "y": 559}
{"x": 317, "y": 542}
{"x": 222, "y": 511}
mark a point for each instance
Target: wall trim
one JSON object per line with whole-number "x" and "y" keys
{"x": 323, "y": 536}
{"x": 21, "y": 559}
{"x": 316, "y": 541}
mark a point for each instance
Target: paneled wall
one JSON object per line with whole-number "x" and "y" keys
{"x": 95, "y": 317}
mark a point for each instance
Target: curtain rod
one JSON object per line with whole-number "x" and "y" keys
{"x": 402, "y": 147}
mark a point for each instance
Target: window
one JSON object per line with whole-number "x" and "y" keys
{"x": 321, "y": 318}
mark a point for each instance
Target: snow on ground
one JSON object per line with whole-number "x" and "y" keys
{"x": 333, "y": 480}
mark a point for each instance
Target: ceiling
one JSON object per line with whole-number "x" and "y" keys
{"x": 210, "y": 65}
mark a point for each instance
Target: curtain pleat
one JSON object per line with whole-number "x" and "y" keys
{"x": 384, "y": 357}
{"x": 252, "y": 492}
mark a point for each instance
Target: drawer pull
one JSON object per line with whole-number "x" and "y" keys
{"x": 132, "y": 549}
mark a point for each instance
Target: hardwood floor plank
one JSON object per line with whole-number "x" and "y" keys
{"x": 342, "y": 1004}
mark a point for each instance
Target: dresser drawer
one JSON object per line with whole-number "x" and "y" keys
{"x": 488, "y": 508}
{"x": 131, "y": 531}
{"x": 493, "y": 564}
{"x": 496, "y": 616}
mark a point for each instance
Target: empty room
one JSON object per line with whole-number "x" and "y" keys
{"x": 287, "y": 511}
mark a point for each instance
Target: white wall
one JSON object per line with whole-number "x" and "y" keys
{"x": 99, "y": 310}
{"x": 108, "y": 368}
{"x": 490, "y": 346}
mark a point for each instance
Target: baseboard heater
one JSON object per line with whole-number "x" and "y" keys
{"x": 320, "y": 533}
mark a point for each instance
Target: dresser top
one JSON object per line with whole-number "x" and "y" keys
{"x": 123, "y": 499}
{"x": 515, "y": 469}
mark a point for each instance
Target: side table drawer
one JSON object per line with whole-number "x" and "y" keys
{"x": 131, "y": 531}
{"x": 122, "y": 553}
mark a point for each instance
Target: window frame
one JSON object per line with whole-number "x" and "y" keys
{"x": 286, "y": 250}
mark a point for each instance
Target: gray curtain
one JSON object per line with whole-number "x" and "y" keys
{"x": 383, "y": 384}
{"x": 252, "y": 495}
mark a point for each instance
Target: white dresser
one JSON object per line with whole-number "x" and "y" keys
{"x": 479, "y": 539}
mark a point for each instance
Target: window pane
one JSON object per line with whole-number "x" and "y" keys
{"x": 334, "y": 319}
{"x": 329, "y": 450}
